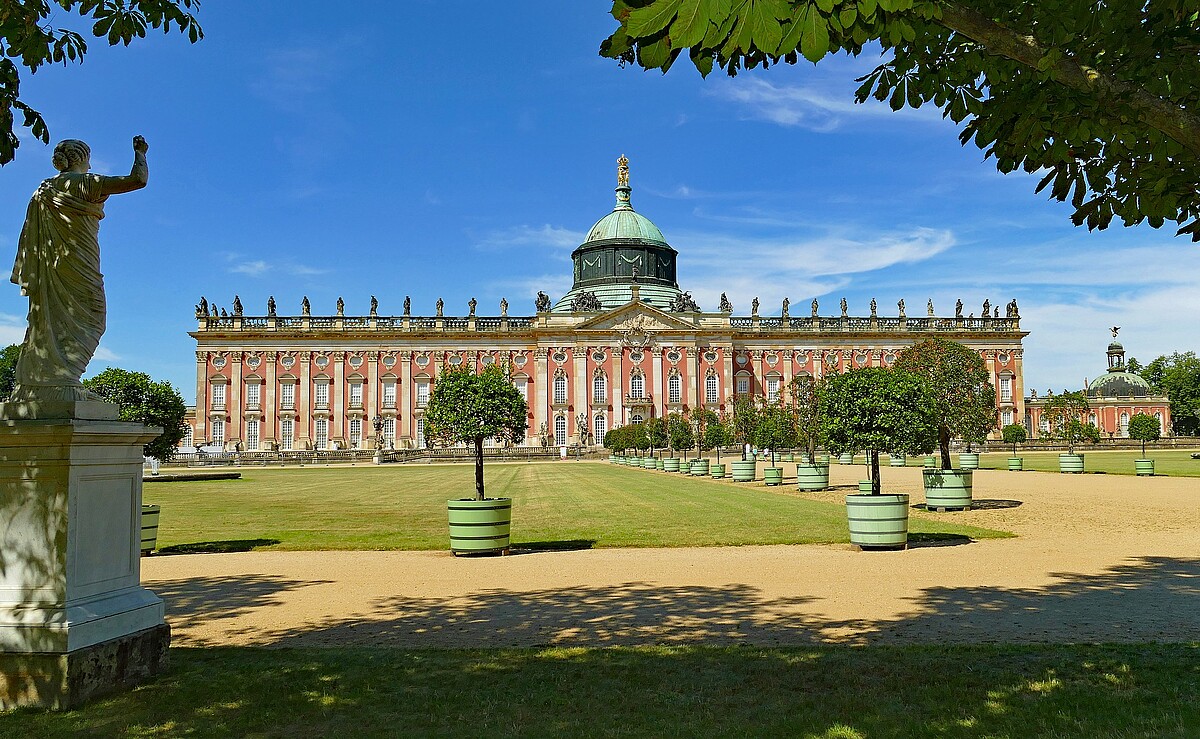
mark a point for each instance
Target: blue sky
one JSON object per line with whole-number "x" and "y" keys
{"x": 406, "y": 149}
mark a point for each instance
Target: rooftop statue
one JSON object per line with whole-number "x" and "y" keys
{"x": 58, "y": 268}
{"x": 503, "y": 307}
{"x": 900, "y": 306}
{"x": 471, "y": 304}
{"x": 726, "y": 306}
{"x": 958, "y": 309}
{"x": 407, "y": 305}
{"x": 987, "y": 308}
{"x": 305, "y": 307}
{"x": 341, "y": 306}
{"x": 929, "y": 307}
{"x": 874, "y": 308}
{"x": 814, "y": 308}
{"x": 271, "y": 306}
{"x": 754, "y": 306}
{"x": 786, "y": 304}
{"x": 237, "y": 306}
{"x": 374, "y": 305}
{"x": 440, "y": 307}
{"x": 542, "y": 304}
{"x": 844, "y": 307}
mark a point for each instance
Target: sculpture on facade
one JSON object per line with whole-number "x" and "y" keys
{"x": 440, "y": 306}
{"x": 725, "y": 305}
{"x": 585, "y": 302}
{"x": 987, "y": 308}
{"x": 996, "y": 312}
{"x": 471, "y": 304}
{"x": 503, "y": 307}
{"x": 237, "y": 306}
{"x": 844, "y": 307}
{"x": 815, "y": 305}
{"x": 754, "y": 306}
{"x": 224, "y": 314}
{"x": 874, "y": 308}
{"x": 683, "y": 303}
{"x": 271, "y": 306}
{"x": 542, "y": 304}
{"x": 958, "y": 309}
{"x": 213, "y": 311}
{"x": 374, "y": 306}
{"x": 1114, "y": 330}
{"x": 786, "y": 304}
{"x": 305, "y": 307}
{"x": 407, "y": 305}
{"x": 900, "y": 307}
{"x": 1010, "y": 310}
{"x": 929, "y": 307}
{"x": 341, "y": 306}
{"x": 202, "y": 307}
{"x": 58, "y": 268}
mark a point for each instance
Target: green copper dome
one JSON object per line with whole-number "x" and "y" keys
{"x": 624, "y": 223}
{"x": 1119, "y": 383}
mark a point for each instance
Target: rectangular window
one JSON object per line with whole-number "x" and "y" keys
{"x": 252, "y": 435}
{"x": 599, "y": 389}
{"x": 1006, "y": 417}
{"x": 772, "y": 389}
{"x": 389, "y": 431}
{"x": 560, "y": 390}
{"x": 187, "y": 437}
{"x": 356, "y": 395}
{"x": 322, "y": 395}
{"x": 389, "y": 395}
{"x": 252, "y": 394}
{"x": 420, "y": 440}
{"x": 356, "y": 432}
{"x": 743, "y": 385}
{"x": 218, "y": 432}
{"x": 522, "y": 387}
{"x": 637, "y": 387}
{"x": 422, "y": 394}
{"x": 286, "y": 434}
{"x": 322, "y": 434}
{"x": 710, "y": 389}
{"x": 287, "y": 396}
{"x": 218, "y": 396}
{"x": 674, "y": 389}
{"x": 1006, "y": 389}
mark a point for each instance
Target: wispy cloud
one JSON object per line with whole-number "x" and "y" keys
{"x": 806, "y": 106}
{"x": 12, "y": 329}
{"x": 261, "y": 267}
{"x": 555, "y": 285}
{"x": 104, "y": 354}
{"x": 554, "y": 237}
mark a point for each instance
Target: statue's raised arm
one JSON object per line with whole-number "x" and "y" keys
{"x": 58, "y": 268}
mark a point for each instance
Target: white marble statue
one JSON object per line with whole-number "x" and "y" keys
{"x": 58, "y": 267}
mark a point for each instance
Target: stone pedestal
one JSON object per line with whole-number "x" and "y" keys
{"x": 74, "y": 619}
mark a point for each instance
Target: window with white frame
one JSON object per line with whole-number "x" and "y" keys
{"x": 218, "y": 396}
{"x": 522, "y": 386}
{"x": 253, "y": 391}
{"x": 560, "y": 431}
{"x": 711, "y": 389}
{"x": 356, "y": 395}
{"x": 1092, "y": 418}
{"x": 1158, "y": 417}
{"x": 600, "y": 427}
{"x": 1124, "y": 424}
{"x": 1006, "y": 389}
{"x": 389, "y": 431}
{"x": 674, "y": 389}
{"x": 287, "y": 395}
{"x": 420, "y": 433}
{"x": 599, "y": 388}
{"x": 772, "y": 389}
{"x": 389, "y": 395}
{"x": 287, "y": 434}
{"x": 252, "y": 435}
{"x": 218, "y": 432}
{"x": 743, "y": 385}
{"x": 1044, "y": 424}
{"x": 187, "y": 436}
{"x": 422, "y": 393}
{"x": 560, "y": 389}
{"x": 322, "y": 395}
{"x": 637, "y": 386}
{"x": 322, "y": 440}
{"x": 1006, "y": 416}
{"x": 356, "y": 432}
{"x": 636, "y": 418}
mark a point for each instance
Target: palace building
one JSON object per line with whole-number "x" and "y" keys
{"x": 625, "y": 344}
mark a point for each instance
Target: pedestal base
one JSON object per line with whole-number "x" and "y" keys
{"x": 62, "y": 681}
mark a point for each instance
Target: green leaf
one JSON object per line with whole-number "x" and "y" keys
{"x": 765, "y": 31}
{"x": 645, "y": 22}
{"x": 692, "y": 22}
{"x": 814, "y": 35}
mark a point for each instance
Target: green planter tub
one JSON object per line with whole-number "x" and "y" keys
{"x": 743, "y": 470}
{"x": 897, "y": 460}
{"x": 968, "y": 461}
{"x": 1072, "y": 463}
{"x": 479, "y": 526}
{"x": 947, "y": 490}
{"x": 823, "y": 459}
{"x": 699, "y": 467}
{"x": 864, "y": 487}
{"x": 878, "y": 521}
{"x": 930, "y": 462}
{"x": 846, "y": 459}
{"x": 1016, "y": 464}
{"x": 612, "y": 459}
{"x": 648, "y": 463}
{"x": 717, "y": 471}
{"x": 1143, "y": 467}
{"x": 671, "y": 464}
{"x": 659, "y": 464}
{"x": 773, "y": 475}
{"x": 787, "y": 458}
{"x": 150, "y": 527}
{"x": 812, "y": 476}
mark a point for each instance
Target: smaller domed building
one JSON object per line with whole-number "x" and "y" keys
{"x": 1114, "y": 397}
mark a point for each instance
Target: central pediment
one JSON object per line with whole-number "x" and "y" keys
{"x": 636, "y": 317}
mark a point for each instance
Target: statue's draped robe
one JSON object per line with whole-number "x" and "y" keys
{"x": 58, "y": 267}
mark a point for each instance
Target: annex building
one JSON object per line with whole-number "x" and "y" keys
{"x": 623, "y": 345}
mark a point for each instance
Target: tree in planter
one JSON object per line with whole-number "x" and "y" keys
{"x": 878, "y": 409}
{"x": 717, "y": 435}
{"x": 1063, "y": 412}
{"x": 656, "y": 432}
{"x": 469, "y": 407}
{"x": 616, "y": 440}
{"x": 805, "y": 401}
{"x": 1013, "y": 434}
{"x": 638, "y": 440}
{"x": 679, "y": 433}
{"x": 701, "y": 419}
{"x": 965, "y": 400}
{"x": 745, "y": 421}
{"x": 142, "y": 399}
{"x": 776, "y": 427}
{"x": 1144, "y": 427}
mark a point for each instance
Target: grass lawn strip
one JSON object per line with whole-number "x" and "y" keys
{"x": 1171, "y": 462}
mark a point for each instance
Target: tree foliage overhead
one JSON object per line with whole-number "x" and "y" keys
{"x": 1099, "y": 96}
{"x": 961, "y": 387}
{"x": 143, "y": 400}
{"x": 29, "y": 38}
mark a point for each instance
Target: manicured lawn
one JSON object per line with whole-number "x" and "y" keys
{"x": 1174, "y": 462}
{"x": 976, "y": 691}
{"x": 567, "y": 504}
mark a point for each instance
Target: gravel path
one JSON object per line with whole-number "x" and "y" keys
{"x": 1097, "y": 558}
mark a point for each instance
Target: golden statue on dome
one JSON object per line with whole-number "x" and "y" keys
{"x": 622, "y": 172}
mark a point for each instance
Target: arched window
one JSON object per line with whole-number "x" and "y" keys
{"x": 636, "y": 418}
{"x": 560, "y": 389}
{"x": 674, "y": 389}
{"x": 711, "y": 391}
{"x": 637, "y": 386}
{"x": 599, "y": 388}
{"x": 1124, "y": 424}
{"x": 600, "y": 424}
{"x": 560, "y": 430}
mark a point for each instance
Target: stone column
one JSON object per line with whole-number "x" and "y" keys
{"x": 789, "y": 357}
{"x": 620, "y": 382}
{"x": 339, "y": 427}
{"x": 656, "y": 368}
{"x": 1019, "y": 387}
{"x": 541, "y": 375}
{"x": 372, "y": 398}
{"x": 200, "y": 432}
{"x": 406, "y": 400}
{"x": 693, "y": 366}
{"x": 74, "y": 620}
{"x": 760, "y": 374}
{"x": 270, "y": 409}
{"x": 304, "y": 423}
{"x": 728, "y": 386}
{"x": 233, "y": 400}
{"x": 580, "y": 356}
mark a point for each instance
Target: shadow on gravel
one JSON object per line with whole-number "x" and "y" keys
{"x": 994, "y": 504}
{"x": 566, "y": 545}
{"x": 916, "y": 540}
{"x": 195, "y": 601}
{"x": 218, "y": 547}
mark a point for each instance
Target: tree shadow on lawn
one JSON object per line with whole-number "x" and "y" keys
{"x": 1146, "y": 599}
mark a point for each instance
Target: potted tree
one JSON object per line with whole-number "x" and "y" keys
{"x": 1144, "y": 427}
{"x": 964, "y": 407}
{"x": 776, "y": 429}
{"x": 679, "y": 437}
{"x": 702, "y": 418}
{"x": 639, "y": 442}
{"x": 716, "y": 436}
{"x": 969, "y": 459}
{"x": 745, "y": 421}
{"x": 874, "y": 408}
{"x": 469, "y": 407}
{"x": 656, "y": 433}
{"x": 615, "y": 443}
{"x": 1063, "y": 414}
{"x": 804, "y": 395}
{"x": 1013, "y": 434}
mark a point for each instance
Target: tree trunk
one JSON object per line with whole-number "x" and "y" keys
{"x": 479, "y": 468}
{"x": 874, "y": 472}
{"x": 944, "y": 445}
